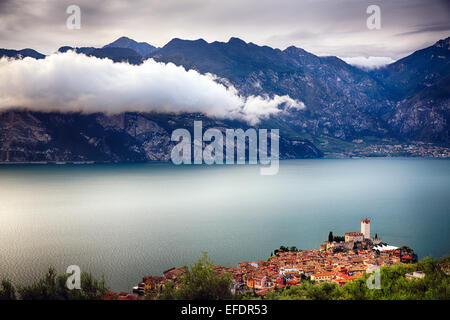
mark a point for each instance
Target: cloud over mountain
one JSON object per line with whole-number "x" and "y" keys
{"x": 369, "y": 63}
{"x": 70, "y": 82}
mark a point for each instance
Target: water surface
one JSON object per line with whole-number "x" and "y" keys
{"x": 129, "y": 220}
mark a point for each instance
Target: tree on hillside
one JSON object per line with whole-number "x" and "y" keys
{"x": 330, "y": 237}
{"x": 200, "y": 282}
{"x": 339, "y": 238}
{"x": 394, "y": 285}
{"x": 53, "y": 287}
{"x": 7, "y": 291}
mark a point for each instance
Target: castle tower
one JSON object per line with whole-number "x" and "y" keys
{"x": 365, "y": 228}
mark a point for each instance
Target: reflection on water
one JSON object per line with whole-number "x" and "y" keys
{"x": 130, "y": 220}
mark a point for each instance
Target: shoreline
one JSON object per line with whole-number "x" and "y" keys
{"x": 62, "y": 163}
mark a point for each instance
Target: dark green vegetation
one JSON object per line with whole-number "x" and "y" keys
{"x": 199, "y": 282}
{"x": 285, "y": 249}
{"x": 332, "y": 238}
{"x": 53, "y": 287}
{"x": 339, "y": 238}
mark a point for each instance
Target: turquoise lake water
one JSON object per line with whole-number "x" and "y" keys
{"x": 129, "y": 220}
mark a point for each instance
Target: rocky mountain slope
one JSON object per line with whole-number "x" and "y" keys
{"x": 342, "y": 101}
{"x": 130, "y": 137}
{"x": 420, "y": 85}
{"x": 407, "y": 100}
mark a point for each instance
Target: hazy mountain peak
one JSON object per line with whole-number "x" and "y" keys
{"x": 123, "y": 38}
{"x": 85, "y": 50}
{"x": 295, "y": 50}
{"x": 234, "y": 40}
{"x": 182, "y": 43}
{"x": 122, "y": 42}
{"x": 202, "y": 41}
{"x": 143, "y": 48}
{"x": 65, "y": 48}
{"x": 443, "y": 43}
{"x": 21, "y": 53}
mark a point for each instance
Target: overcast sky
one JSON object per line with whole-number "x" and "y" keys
{"x": 323, "y": 27}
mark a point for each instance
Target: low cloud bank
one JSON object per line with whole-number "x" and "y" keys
{"x": 369, "y": 63}
{"x": 70, "y": 82}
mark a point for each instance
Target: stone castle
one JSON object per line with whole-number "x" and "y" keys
{"x": 353, "y": 240}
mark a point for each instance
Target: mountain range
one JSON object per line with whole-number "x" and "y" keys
{"x": 408, "y": 100}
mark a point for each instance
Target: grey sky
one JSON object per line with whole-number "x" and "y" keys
{"x": 323, "y": 27}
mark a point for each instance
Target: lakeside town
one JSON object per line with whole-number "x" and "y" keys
{"x": 340, "y": 259}
{"x": 359, "y": 149}
{"x": 388, "y": 148}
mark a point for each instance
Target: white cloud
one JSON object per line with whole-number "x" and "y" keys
{"x": 70, "y": 82}
{"x": 257, "y": 107}
{"x": 369, "y": 63}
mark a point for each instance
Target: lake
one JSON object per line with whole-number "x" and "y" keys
{"x": 125, "y": 221}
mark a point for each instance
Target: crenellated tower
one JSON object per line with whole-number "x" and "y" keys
{"x": 365, "y": 228}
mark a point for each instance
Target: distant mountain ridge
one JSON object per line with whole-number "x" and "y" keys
{"x": 127, "y": 137}
{"x": 122, "y": 50}
{"x": 113, "y": 53}
{"x": 342, "y": 101}
{"x": 408, "y": 100}
{"x": 425, "y": 67}
{"x": 16, "y": 54}
{"x": 143, "y": 48}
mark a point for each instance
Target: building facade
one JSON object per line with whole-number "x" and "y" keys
{"x": 365, "y": 228}
{"x": 354, "y": 237}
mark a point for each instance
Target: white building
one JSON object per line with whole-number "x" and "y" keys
{"x": 365, "y": 228}
{"x": 384, "y": 248}
{"x": 415, "y": 275}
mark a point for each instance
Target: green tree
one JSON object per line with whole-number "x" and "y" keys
{"x": 394, "y": 285}
{"x": 168, "y": 292}
{"x": 200, "y": 282}
{"x": 330, "y": 237}
{"x": 339, "y": 238}
{"x": 7, "y": 291}
{"x": 53, "y": 287}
